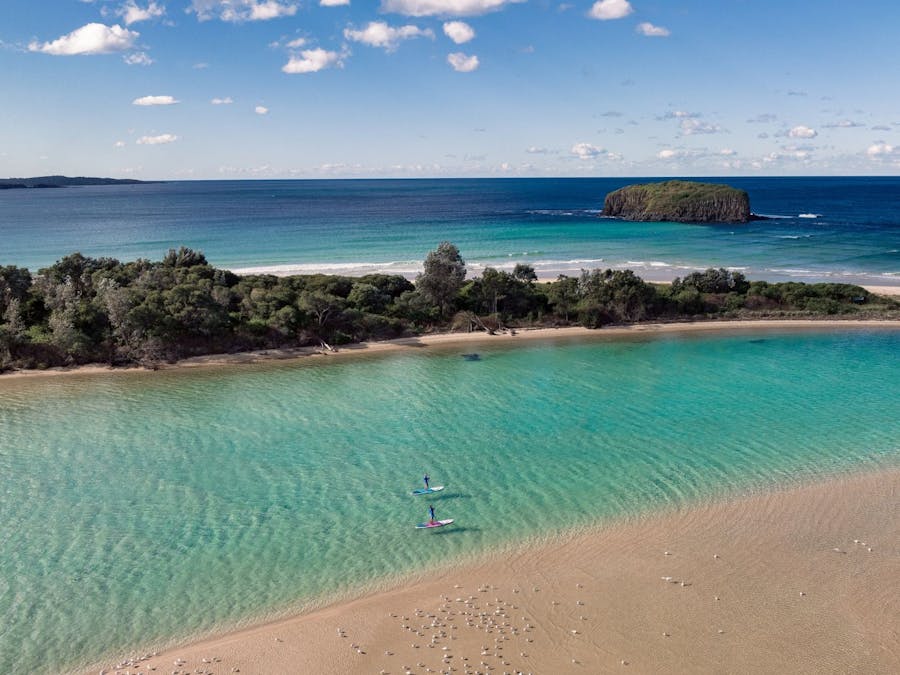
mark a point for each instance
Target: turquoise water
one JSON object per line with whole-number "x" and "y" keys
{"x": 137, "y": 508}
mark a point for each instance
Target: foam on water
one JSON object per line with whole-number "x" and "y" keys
{"x": 139, "y": 508}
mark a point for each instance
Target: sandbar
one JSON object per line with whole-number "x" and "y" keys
{"x": 799, "y": 579}
{"x": 436, "y": 341}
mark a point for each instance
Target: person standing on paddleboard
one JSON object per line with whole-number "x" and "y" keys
{"x": 426, "y": 479}
{"x": 431, "y": 510}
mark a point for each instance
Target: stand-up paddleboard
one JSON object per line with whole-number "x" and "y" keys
{"x": 428, "y": 491}
{"x": 433, "y": 523}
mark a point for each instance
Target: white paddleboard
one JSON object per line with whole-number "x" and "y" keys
{"x": 428, "y": 491}
{"x": 434, "y": 523}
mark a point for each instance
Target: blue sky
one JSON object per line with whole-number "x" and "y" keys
{"x": 219, "y": 89}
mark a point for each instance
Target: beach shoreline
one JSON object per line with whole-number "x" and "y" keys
{"x": 453, "y": 340}
{"x": 801, "y": 574}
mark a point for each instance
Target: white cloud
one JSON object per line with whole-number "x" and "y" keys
{"x": 237, "y": 11}
{"x": 444, "y": 7}
{"x": 691, "y": 126}
{"x": 132, "y": 13}
{"x": 92, "y": 38}
{"x": 296, "y": 44}
{"x": 380, "y": 34}
{"x": 648, "y": 29}
{"x": 334, "y": 3}
{"x": 155, "y": 100}
{"x": 312, "y": 61}
{"x": 119, "y": 144}
{"x": 727, "y": 152}
{"x": 801, "y": 131}
{"x": 261, "y": 110}
{"x": 534, "y": 150}
{"x": 604, "y": 10}
{"x": 222, "y": 101}
{"x": 157, "y": 140}
{"x": 668, "y": 153}
{"x": 881, "y": 150}
{"x": 459, "y": 31}
{"x": 462, "y": 63}
{"x": 138, "y": 59}
{"x": 586, "y": 151}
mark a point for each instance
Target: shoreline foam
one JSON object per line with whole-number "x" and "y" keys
{"x": 805, "y": 575}
{"x": 450, "y": 340}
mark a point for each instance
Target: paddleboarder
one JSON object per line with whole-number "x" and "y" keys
{"x": 426, "y": 479}
{"x": 431, "y": 510}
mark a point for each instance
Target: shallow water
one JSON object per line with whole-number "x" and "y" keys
{"x": 136, "y": 508}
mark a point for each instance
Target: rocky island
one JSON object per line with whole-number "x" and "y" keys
{"x": 679, "y": 201}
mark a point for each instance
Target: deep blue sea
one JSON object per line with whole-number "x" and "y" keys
{"x": 845, "y": 229}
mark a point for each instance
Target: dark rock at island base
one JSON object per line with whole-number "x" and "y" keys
{"x": 681, "y": 202}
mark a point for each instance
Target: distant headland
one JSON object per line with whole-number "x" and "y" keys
{"x": 64, "y": 181}
{"x": 680, "y": 201}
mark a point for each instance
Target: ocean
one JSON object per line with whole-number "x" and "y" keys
{"x": 137, "y": 509}
{"x": 821, "y": 229}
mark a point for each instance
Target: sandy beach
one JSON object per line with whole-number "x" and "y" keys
{"x": 472, "y": 340}
{"x": 801, "y": 580}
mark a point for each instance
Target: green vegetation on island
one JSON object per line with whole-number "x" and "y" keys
{"x": 679, "y": 201}
{"x": 82, "y": 310}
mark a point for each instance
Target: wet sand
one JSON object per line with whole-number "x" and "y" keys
{"x": 802, "y": 580}
{"x": 472, "y": 341}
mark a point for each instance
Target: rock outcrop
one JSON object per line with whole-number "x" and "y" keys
{"x": 679, "y": 201}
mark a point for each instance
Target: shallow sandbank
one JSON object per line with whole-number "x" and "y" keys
{"x": 471, "y": 340}
{"x": 801, "y": 580}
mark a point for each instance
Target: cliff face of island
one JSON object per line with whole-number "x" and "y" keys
{"x": 679, "y": 201}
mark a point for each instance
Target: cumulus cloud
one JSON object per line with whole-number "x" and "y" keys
{"x": 261, "y": 110}
{"x": 312, "y": 61}
{"x": 119, "y": 144}
{"x": 459, "y": 31}
{"x": 882, "y": 150}
{"x": 237, "y": 11}
{"x": 157, "y": 140}
{"x": 648, "y": 29}
{"x": 296, "y": 43}
{"x": 92, "y": 38}
{"x": 727, "y": 152}
{"x": 534, "y": 150}
{"x": 138, "y": 59}
{"x": 222, "y": 101}
{"x": 586, "y": 151}
{"x": 668, "y": 153}
{"x": 131, "y": 12}
{"x": 380, "y": 34}
{"x": 605, "y": 10}
{"x": 801, "y": 131}
{"x": 334, "y": 3}
{"x": 155, "y": 100}
{"x": 691, "y": 126}
{"x": 462, "y": 63}
{"x": 444, "y": 7}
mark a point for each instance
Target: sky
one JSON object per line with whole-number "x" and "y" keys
{"x": 224, "y": 89}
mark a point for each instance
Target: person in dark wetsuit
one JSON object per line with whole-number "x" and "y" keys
{"x": 426, "y": 479}
{"x": 431, "y": 511}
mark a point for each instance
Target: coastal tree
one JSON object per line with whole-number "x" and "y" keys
{"x": 524, "y": 272}
{"x": 564, "y": 295}
{"x": 442, "y": 277}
